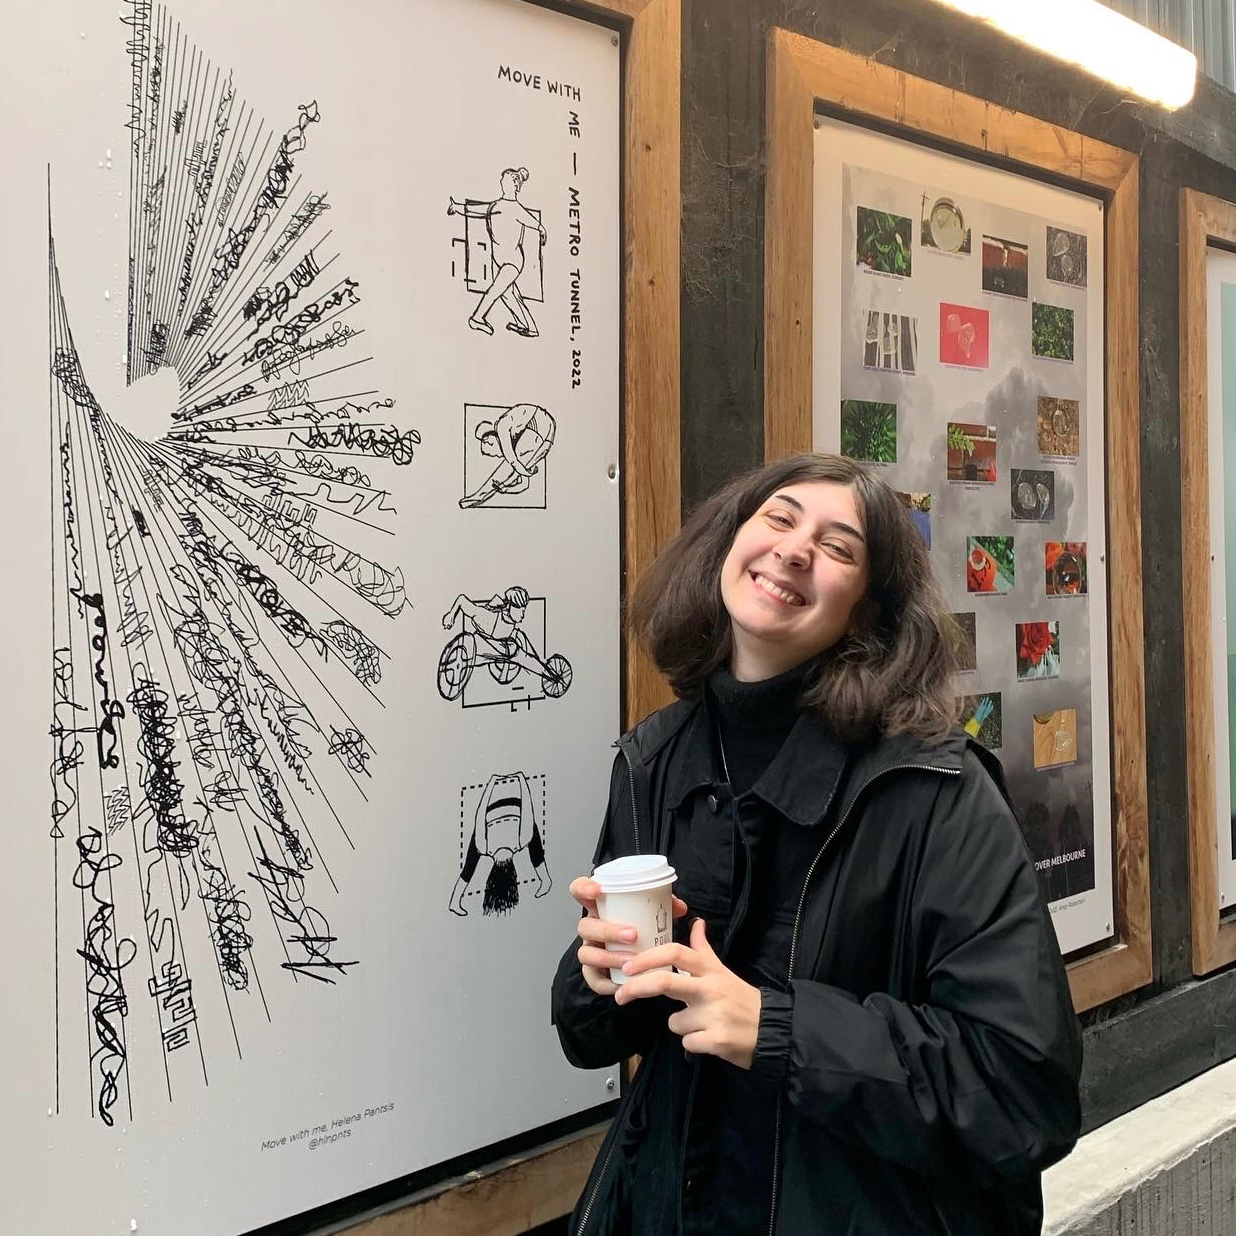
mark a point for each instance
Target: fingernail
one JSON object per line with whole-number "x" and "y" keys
{"x": 626, "y": 967}
{"x": 629, "y": 935}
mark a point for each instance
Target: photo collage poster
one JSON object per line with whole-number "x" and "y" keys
{"x": 1221, "y": 403}
{"x": 958, "y": 352}
{"x": 312, "y": 375}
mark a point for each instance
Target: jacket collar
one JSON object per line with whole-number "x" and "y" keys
{"x": 804, "y": 775}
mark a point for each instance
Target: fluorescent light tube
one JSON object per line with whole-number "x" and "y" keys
{"x": 1097, "y": 39}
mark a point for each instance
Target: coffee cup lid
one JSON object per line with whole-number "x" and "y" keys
{"x": 633, "y": 872}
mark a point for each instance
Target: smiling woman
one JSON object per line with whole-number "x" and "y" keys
{"x": 812, "y": 792}
{"x": 794, "y": 578}
{"x": 882, "y": 656}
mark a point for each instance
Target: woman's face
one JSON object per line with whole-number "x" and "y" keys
{"x": 794, "y": 578}
{"x": 510, "y": 186}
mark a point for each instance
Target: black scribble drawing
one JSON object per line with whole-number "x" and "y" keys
{"x": 221, "y": 600}
{"x": 505, "y": 635}
{"x": 501, "y": 825}
{"x": 505, "y": 449}
{"x": 498, "y": 260}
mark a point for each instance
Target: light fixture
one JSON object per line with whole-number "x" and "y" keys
{"x": 1098, "y": 39}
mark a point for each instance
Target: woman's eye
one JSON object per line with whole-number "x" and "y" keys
{"x": 841, "y": 550}
{"x": 780, "y": 520}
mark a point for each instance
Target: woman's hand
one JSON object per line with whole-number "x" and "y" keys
{"x": 722, "y": 1013}
{"x": 595, "y": 959}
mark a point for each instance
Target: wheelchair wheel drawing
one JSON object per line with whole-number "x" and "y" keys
{"x": 455, "y": 665}
{"x": 556, "y": 677}
{"x": 503, "y": 671}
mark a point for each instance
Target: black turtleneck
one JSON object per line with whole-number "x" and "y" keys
{"x": 754, "y": 719}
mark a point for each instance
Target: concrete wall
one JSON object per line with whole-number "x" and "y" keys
{"x": 1166, "y": 1169}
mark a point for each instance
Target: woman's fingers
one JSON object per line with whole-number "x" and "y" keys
{"x": 600, "y": 958}
{"x": 679, "y": 956}
{"x": 679, "y": 907}
{"x": 597, "y": 931}
{"x": 585, "y": 890}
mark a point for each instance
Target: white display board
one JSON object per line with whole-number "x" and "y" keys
{"x": 958, "y": 349}
{"x": 1221, "y": 402}
{"x": 310, "y": 377}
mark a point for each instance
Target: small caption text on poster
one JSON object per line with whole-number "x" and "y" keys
{"x": 333, "y": 1130}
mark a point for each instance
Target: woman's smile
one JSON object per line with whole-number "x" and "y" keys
{"x": 778, "y": 592}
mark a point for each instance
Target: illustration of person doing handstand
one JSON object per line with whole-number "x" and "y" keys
{"x": 504, "y": 824}
{"x": 506, "y": 220}
{"x": 520, "y": 438}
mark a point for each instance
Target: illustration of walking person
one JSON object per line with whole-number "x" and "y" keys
{"x": 519, "y": 438}
{"x": 504, "y": 825}
{"x": 507, "y": 221}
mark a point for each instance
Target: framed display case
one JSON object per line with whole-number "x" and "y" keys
{"x": 1208, "y": 519}
{"x": 968, "y": 326}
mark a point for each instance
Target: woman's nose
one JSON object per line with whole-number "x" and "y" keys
{"x": 794, "y": 551}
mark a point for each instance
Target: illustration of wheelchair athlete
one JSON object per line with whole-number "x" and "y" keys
{"x": 494, "y": 634}
{"x": 504, "y": 826}
{"x": 518, "y": 438}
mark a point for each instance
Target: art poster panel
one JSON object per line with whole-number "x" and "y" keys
{"x": 1221, "y": 386}
{"x": 311, "y": 370}
{"x": 1000, "y": 420}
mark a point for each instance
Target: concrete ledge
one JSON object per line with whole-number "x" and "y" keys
{"x": 1167, "y": 1168}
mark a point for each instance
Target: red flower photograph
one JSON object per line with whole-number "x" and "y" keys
{"x": 1038, "y": 650}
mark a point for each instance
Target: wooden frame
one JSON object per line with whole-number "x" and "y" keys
{"x": 802, "y": 73}
{"x": 1202, "y": 219}
{"x": 531, "y": 1189}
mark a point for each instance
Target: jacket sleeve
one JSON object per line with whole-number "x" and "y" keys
{"x": 593, "y": 1030}
{"x": 981, "y": 1079}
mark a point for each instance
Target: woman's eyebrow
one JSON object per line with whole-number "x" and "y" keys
{"x": 842, "y": 527}
{"x": 790, "y": 501}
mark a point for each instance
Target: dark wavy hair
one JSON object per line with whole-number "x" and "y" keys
{"x": 893, "y": 677}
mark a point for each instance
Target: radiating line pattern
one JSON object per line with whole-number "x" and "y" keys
{"x": 221, "y": 606}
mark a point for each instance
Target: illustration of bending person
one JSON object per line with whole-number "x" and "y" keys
{"x": 506, "y": 221}
{"x": 504, "y": 824}
{"x": 520, "y": 439}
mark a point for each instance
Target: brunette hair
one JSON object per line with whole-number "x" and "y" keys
{"x": 892, "y": 677}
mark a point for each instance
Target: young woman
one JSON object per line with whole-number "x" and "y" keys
{"x": 869, "y": 1029}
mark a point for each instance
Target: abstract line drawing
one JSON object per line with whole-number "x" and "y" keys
{"x": 503, "y": 824}
{"x": 498, "y": 262}
{"x": 219, "y": 614}
{"x": 505, "y": 635}
{"x": 504, "y": 452}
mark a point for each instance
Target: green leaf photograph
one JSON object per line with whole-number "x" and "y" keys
{"x": 869, "y": 431}
{"x": 1051, "y": 332}
{"x": 883, "y": 241}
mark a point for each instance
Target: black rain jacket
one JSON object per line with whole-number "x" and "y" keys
{"x": 925, "y": 1041}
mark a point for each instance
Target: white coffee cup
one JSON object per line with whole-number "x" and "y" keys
{"x": 635, "y": 892}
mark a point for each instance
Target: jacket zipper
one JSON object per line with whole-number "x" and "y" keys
{"x": 798, "y": 915}
{"x": 583, "y": 1219}
{"x": 619, "y": 1116}
{"x": 634, "y": 805}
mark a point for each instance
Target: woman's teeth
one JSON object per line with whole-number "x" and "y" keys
{"x": 782, "y": 594}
